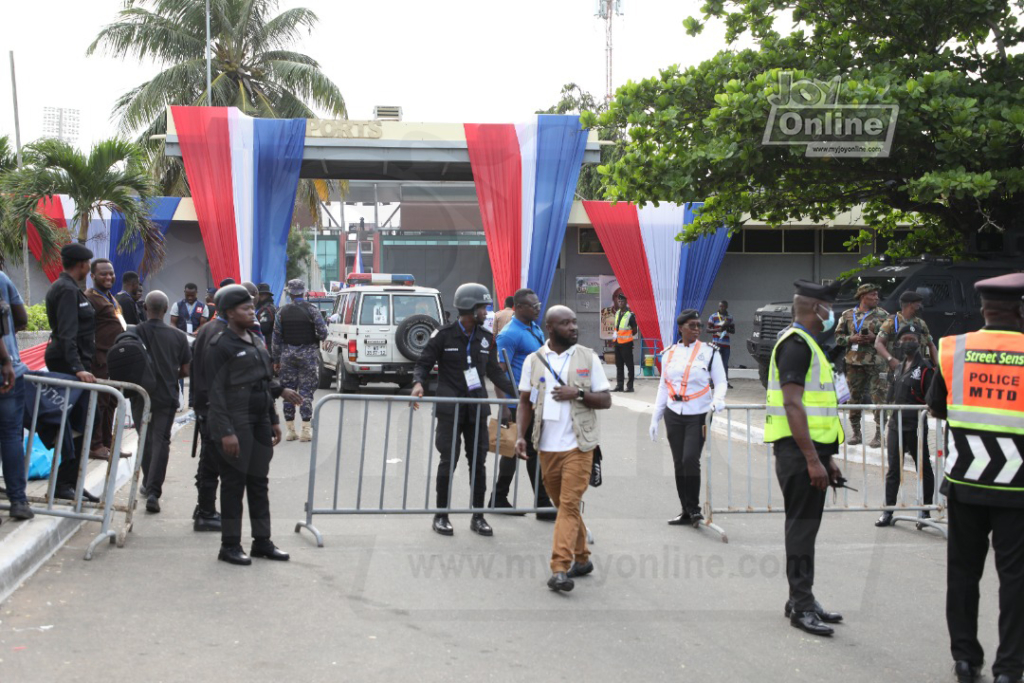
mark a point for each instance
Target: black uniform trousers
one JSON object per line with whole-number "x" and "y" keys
{"x": 686, "y": 435}
{"x": 623, "y": 357}
{"x": 507, "y": 470}
{"x": 969, "y": 530}
{"x": 156, "y": 450}
{"x": 804, "y": 505}
{"x": 208, "y": 470}
{"x": 451, "y": 432}
{"x": 246, "y": 476}
{"x": 892, "y": 475}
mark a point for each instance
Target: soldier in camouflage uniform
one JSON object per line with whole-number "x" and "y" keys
{"x": 298, "y": 330}
{"x": 856, "y": 330}
{"x": 911, "y": 304}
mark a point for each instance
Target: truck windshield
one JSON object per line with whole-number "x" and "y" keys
{"x": 889, "y": 284}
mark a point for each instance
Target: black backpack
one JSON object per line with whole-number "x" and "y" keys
{"x": 128, "y": 360}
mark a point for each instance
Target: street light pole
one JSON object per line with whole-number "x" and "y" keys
{"x": 209, "y": 80}
{"x": 17, "y": 148}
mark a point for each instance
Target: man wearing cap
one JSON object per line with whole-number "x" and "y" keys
{"x": 626, "y": 330}
{"x": 298, "y": 330}
{"x": 266, "y": 313}
{"x": 802, "y": 423}
{"x": 911, "y": 304}
{"x": 210, "y": 312}
{"x": 979, "y": 391}
{"x": 910, "y": 384}
{"x": 856, "y": 331}
{"x": 464, "y": 353}
{"x": 243, "y": 424}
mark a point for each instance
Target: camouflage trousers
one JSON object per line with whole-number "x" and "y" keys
{"x": 866, "y": 386}
{"x": 301, "y": 372}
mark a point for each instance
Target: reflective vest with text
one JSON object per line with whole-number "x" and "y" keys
{"x": 623, "y": 328}
{"x": 819, "y": 399}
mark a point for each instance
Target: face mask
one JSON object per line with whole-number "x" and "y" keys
{"x": 910, "y": 348}
{"x": 828, "y": 322}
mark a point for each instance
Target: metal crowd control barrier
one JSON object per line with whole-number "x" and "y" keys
{"x": 78, "y": 508}
{"x": 769, "y": 499}
{"x": 396, "y": 452}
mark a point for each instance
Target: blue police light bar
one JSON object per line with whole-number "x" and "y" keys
{"x": 357, "y": 279}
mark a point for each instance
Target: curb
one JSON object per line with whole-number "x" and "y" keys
{"x": 33, "y": 542}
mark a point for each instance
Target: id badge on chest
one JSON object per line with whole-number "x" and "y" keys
{"x": 472, "y": 379}
{"x": 188, "y": 328}
{"x": 854, "y": 347}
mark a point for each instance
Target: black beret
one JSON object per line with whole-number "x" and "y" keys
{"x": 813, "y": 290}
{"x": 910, "y": 329}
{"x": 688, "y": 314}
{"x": 231, "y": 296}
{"x": 263, "y": 288}
{"x": 75, "y": 252}
{"x": 910, "y": 297}
{"x": 1003, "y": 288}
{"x": 226, "y": 281}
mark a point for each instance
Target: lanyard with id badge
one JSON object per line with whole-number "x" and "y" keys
{"x": 552, "y": 408}
{"x": 472, "y": 376}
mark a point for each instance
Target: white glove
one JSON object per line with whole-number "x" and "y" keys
{"x": 719, "y": 406}
{"x": 654, "y": 430}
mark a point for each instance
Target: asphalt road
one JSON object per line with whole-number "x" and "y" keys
{"x": 387, "y": 599}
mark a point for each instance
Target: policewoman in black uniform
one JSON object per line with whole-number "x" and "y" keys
{"x": 464, "y": 352}
{"x": 243, "y": 424}
{"x": 979, "y": 390}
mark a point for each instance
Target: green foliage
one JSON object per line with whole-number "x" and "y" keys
{"x": 299, "y": 254}
{"x": 37, "y": 320}
{"x": 12, "y": 228}
{"x": 955, "y": 167}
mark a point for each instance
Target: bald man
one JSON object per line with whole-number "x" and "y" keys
{"x": 168, "y": 348}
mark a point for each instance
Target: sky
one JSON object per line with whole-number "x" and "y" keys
{"x": 457, "y": 61}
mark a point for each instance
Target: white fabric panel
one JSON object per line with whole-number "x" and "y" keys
{"x": 527, "y": 134}
{"x": 659, "y": 226}
{"x": 240, "y": 128}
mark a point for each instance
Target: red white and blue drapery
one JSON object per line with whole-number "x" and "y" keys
{"x": 244, "y": 174}
{"x": 525, "y": 176}
{"x": 659, "y": 274}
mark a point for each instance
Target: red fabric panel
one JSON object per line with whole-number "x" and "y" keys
{"x": 33, "y": 356}
{"x": 497, "y": 171}
{"x": 618, "y": 228}
{"x": 52, "y": 208}
{"x": 206, "y": 150}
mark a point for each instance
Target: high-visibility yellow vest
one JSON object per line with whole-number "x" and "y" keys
{"x": 623, "y": 331}
{"x": 820, "y": 402}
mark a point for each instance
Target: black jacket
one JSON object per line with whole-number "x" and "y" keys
{"x": 238, "y": 377}
{"x": 72, "y": 327}
{"x": 132, "y": 310}
{"x": 910, "y": 387}
{"x": 447, "y": 348}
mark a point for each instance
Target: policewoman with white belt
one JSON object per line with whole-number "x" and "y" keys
{"x": 693, "y": 382}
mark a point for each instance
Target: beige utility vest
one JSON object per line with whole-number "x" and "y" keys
{"x": 584, "y": 419}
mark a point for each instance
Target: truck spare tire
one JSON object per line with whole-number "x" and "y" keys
{"x": 412, "y": 335}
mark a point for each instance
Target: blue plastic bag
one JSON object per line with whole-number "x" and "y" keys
{"x": 41, "y": 460}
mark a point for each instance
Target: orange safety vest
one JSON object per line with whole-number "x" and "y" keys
{"x": 623, "y": 330}
{"x": 680, "y": 393}
{"x": 984, "y": 375}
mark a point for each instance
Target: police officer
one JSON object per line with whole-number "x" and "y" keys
{"x": 910, "y": 384}
{"x": 979, "y": 392}
{"x": 205, "y": 516}
{"x": 266, "y": 313}
{"x": 802, "y": 423}
{"x": 298, "y": 330}
{"x": 857, "y": 330}
{"x": 626, "y": 330}
{"x": 243, "y": 424}
{"x": 911, "y": 304}
{"x": 463, "y": 352}
{"x": 72, "y": 343}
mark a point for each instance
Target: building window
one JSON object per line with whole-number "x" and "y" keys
{"x": 882, "y": 243}
{"x": 589, "y": 242}
{"x": 832, "y": 241}
{"x": 326, "y": 250}
{"x": 799, "y": 241}
{"x": 735, "y": 243}
{"x": 762, "y": 241}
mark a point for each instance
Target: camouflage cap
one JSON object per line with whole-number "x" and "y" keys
{"x": 296, "y": 287}
{"x": 866, "y": 288}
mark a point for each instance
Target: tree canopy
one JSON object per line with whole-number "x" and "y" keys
{"x": 955, "y": 163}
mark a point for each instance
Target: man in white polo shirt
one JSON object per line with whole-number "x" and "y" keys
{"x": 566, "y": 385}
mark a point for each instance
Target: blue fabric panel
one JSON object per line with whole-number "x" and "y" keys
{"x": 128, "y": 256}
{"x": 699, "y": 264}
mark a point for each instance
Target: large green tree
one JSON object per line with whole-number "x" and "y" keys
{"x": 12, "y": 230}
{"x": 113, "y": 176}
{"x": 956, "y": 165}
{"x": 254, "y": 68}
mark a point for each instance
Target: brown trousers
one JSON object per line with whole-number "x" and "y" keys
{"x": 566, "y": 476}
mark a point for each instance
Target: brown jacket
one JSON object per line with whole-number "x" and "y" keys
{"x": 109, "y": 324}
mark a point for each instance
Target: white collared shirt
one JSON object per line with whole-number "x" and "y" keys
{"x": 557, "y": 435}
{"x": 707, "y": 367}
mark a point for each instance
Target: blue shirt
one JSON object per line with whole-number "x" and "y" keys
{"x": 519, "y": 341}
{"x": 12, "y": 297}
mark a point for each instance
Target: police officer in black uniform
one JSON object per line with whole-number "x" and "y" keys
{"x": 72, "y": 343}
{"x": 463, "y": 352}
{"x": 205, "y": 517}
{"x": 243, "y": 424}
{"x": 266, "y": 312}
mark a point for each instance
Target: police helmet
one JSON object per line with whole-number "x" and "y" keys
{"x": 471, "y": 295}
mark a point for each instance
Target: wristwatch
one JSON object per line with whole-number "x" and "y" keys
{"x": 579, "y": 396}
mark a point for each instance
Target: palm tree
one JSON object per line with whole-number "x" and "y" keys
{"x": 112, "y": 176}
{"x": 252, "y": 66}
{"x": 12, "y": 231}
